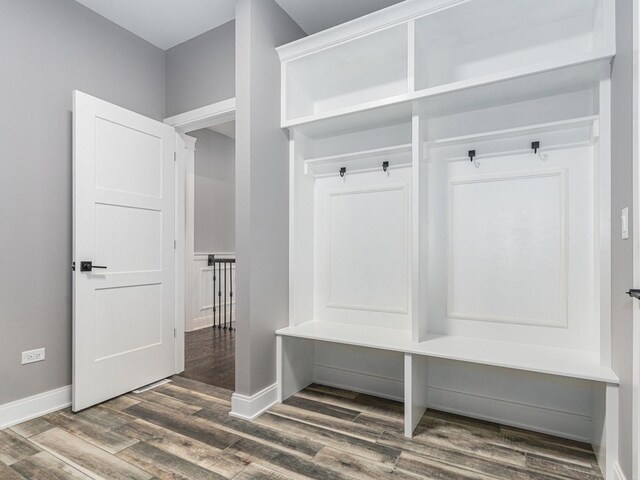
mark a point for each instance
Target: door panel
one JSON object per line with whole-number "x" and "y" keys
{"x": 124, "y": 219}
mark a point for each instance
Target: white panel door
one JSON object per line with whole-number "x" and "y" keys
{"x": 124, "y": 223}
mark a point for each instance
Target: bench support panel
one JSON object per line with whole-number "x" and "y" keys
{"x": 295, "y": 365}
{"x": 416, "y": 369}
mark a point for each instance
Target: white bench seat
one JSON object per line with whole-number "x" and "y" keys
{"x": 564, "y": 362}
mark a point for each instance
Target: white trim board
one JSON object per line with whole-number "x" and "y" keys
{"x": 208, "y": 116}
{"x": 246, "y": 407}
{"x": 35, "y": 406}
{"x": 617, "y": 472}
{"x": 529, "y": 417}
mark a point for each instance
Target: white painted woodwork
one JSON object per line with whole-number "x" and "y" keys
{"x": 124, "y": 218}
{"x": 476, "y": 39}
{"x": 446, "y": 282}
{"x": 363, "y": 70}
{"x": 416, "y": 373}
{"x": 508, "y": 236}
{"x": 359, "y": 218}
{"x": 295, "y": 366}
{"x": 520, "y": 356}
{"x": 204, "y": 117}
{"x": 453, "y": 46}
{"x": 367, "y": 160}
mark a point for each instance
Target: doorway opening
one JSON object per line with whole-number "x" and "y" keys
{"x": 209, "y": 249}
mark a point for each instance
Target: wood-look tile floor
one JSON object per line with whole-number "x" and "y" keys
{"x": 182, "y": 430}
{"x": 210, "y": 357}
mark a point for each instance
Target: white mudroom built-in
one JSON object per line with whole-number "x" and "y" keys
{"x": 450, "y": 213}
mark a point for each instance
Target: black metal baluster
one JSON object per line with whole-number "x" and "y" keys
{"x": 219, "y": 296}
{"x": 231, "y": 298}
{"x": 212, "y": 262}
{"x": 225, "y": 295}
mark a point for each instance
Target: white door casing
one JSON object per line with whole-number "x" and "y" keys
{"x": 124, "y": 208}
{"x": 635, "y": 399}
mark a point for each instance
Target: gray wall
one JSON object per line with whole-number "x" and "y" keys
{"x": 201, "y": 71}
{"x": 262, "y": 191}
{"x": 215, "y": 192}
{"x": 622, "y": 250}
{"x": 49, "y": 48}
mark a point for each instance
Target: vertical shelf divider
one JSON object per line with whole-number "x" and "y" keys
{"x": 418, "y": 230}
{"x": 415, "y": 391}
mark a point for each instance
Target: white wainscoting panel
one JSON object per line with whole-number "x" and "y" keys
{"x": 508, "y": 236}
{"x": 362, "y": 261}
{"x": 512, "y": 254}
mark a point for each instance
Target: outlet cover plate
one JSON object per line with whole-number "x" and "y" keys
{"x": 32, "y": 356}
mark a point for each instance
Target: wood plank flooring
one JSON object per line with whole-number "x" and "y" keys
{"x": 182, "y": 430}
{"x": 210, "y": 357}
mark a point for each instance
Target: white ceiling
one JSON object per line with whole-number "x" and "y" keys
{"x": 166, "y": 23}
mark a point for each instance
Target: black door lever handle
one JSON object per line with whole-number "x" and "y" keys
{"x": 89, "y": 266}
{"x": 634, "y": 293}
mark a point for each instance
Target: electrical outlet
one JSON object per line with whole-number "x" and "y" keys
{"x": 33, "y": 356}
{"x": 624, "y": 220}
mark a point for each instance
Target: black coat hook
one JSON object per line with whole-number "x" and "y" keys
{"x": 535, "y": 146}
{"x": 385, "y": 166}
{"x": 472, "y": 154}
{"x": 343, "y": 170}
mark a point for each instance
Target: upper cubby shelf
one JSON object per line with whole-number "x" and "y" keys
{"x": 367, "y": 69}
{"x": 440, "y": 52}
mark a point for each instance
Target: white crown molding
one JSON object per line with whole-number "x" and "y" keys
{"x": 249, "y": 408}
{"x": 189, "y": 142}
{"x": 380, "y": 20}
{"x": 208, "y": 116}
{"x": 35, "y": 406}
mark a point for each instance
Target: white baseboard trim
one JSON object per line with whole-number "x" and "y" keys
{"x": 200, "y": 323}
{"x": 29, "y": 408}
{"x": 617, "y": 472}
{"x": 530, "y": 417}
{"x": 384, "y": 387}
{"x": 249, "y": 408}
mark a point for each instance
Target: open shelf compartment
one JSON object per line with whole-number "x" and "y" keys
{"x": 476, "y": 40}
{"x": 360, "y": 71}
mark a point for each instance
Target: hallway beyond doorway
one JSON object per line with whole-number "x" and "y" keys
{"x": 210, "y": 357}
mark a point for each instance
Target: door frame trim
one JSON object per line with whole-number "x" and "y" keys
{"x": 635, "y": 370}
{"x": 208, "y": 116}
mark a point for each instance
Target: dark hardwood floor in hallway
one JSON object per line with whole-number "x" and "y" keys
{"x": 210, "y": 357}
{"x": 182, "y": 430}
